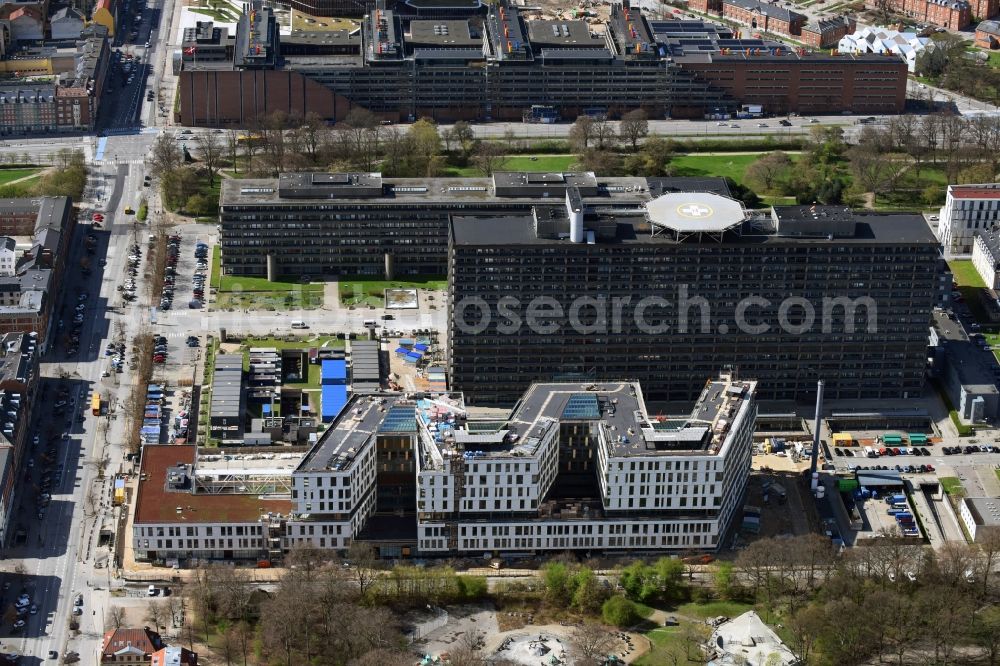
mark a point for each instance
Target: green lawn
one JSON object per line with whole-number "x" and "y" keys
{"x": 965, "y": 273}
{"x": 216, "y": 267}
{"x": 243, "y": 283}
{"x": 725, "y": 166}
{"x": 952, "y": 486}
{"x": 9, "y": 175}
{"x": 269, "y": 300}
{"x": 539, "y": 162}
{"x": 519, "y": 163}
{"x": 360, "y": 290}
{"x": 994, "y": 60}
{"x": 714, "y": 609}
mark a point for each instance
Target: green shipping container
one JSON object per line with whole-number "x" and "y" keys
{"x": 892, "y": 439}
{"x": 847, "y": 485}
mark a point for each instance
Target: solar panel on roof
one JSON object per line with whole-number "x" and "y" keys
{"x": 582, "y": 406}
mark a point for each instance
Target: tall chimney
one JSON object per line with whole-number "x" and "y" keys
{"x": 816, "y": 426}
{"x": 574, "y": 210}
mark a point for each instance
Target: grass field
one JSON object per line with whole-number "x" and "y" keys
{"x": 714, "y": 609}
{"x": 519, "y": 163}
{"x": 952, "y": 486}
{"x": 724, "y": 166}
{"x": 269, "y": 300}
{"x": 10, "y": 175}
{"x": 965, "y": 273}
{"x": 362, "y": 291}
{"x": 243, "y": 283}
{"x": 328, "y": 341}
{"x": 213, "y": 280}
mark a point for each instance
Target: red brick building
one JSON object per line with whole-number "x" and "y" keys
{"x": 951, "y": 14}
{"x": 827, "y": 33}
{"x": 988, "y": 35}
{"x": 805, "y": 82}
{"x": 764, "y": 16}
{"x": 984, "y": 9}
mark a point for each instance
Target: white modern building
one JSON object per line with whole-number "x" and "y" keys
{"x": 574, "y": 466}
{"x": 986, "y": 257}
{"x": 980, "y": 514}
{"x": 874, "y": 39}
{"x": 967, "y": 210}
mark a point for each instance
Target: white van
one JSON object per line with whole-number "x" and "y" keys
{"x": 298, "y": 323}
{"x": 869, "y": 453}
{"x": 370, "y": 323}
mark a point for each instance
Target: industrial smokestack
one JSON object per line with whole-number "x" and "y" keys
{"x": 816, "y": 425}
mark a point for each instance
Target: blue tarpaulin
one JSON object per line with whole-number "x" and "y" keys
{"x": 420, "y": 347}
{"x": 334, "y": 397}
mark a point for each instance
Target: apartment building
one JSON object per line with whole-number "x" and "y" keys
{"x": 19, "y": 354}
{"x": 448, "y": 69}
{"x": 967, "y": 210}
{"x": 27, "y": 295}
{"x": 565, "y": 294}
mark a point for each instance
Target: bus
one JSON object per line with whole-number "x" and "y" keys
{"x": 95, "y": 404}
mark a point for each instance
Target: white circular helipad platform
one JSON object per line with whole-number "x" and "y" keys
{"x": 695, "y": 212}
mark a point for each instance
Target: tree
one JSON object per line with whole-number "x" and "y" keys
{"x": 765, "y": 172}
{"x": 165, "y": 156}
{"x": 982, "y": 172}
{"x": 602, "y": 132}
{"x": 581, "y": 133}
{"x": 210, "y": 150}
{"x": 156, "y": 614}
{"x": 177, "y": 185}
{"x": 619, "y": 611}
{"x": 360, "y": 132}
{"x": 489, "y": 157}
{"x": 591, "y": 644}
{"x": 986, "y": 633}
{"x": 467, "y": 649}
{"x": 116, "y": 617}
{"x": 588, "y": 593}
{"x": 233, "y": 148}
{"x": 556, "y": 579}
{"x": 884, "y": 9}
{"x": 634, "y": 126}
{"x": 602, "y": 162}
{"x": 364, "y": 561}
{"x": 464, "y": 135}
{"x": 872, "y": 169}
{"x": 425, "y": 143}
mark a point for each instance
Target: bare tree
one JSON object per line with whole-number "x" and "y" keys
{"x": 871, "y": 168}
{"x": 634, "y": 126}
{"x": 884, "y": 9}
{"x": 467, "y": 649}
{"x": 164, "y": 156}
{"x": 489, "y": 157}
{"x": 592, "y": 643}
{"x": 156, "y": 614}
{"x": 364, "y": 561}
{"x": 312, "y": 134}
{"x": 210, "y": 151}
{"x": 228, "y": 644}
{"x": 581, "y": 133}
{"x": 233, "y": 148}
{"x": 116, "y": 617}
{"x": 603, "y": 132}
{"x": 765, "y": 172}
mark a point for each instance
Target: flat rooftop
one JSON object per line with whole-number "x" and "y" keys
{"x": 973, "y": 365}
{"x": 620, "y": 410}
{"x": 975, "y": 191}
{"x": 985, "y": 510}
{"x": 408, "y": 191}
{"x": 358, "y": 422}
{"x": 888, "y": 229}
{"x": 156, "y": 504}
{"x": 565, "y": 34}
{"x": 443, "y": 33}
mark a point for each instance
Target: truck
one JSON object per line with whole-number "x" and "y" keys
{"x": 95, "y": 404}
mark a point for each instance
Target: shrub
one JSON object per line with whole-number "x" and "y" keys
{"x": 620, "y": 612}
